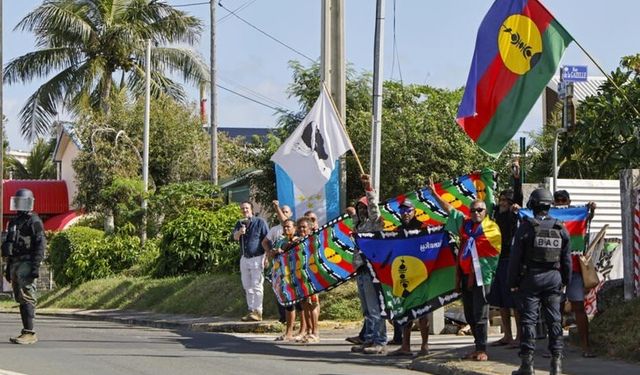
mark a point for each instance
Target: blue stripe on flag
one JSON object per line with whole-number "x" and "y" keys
{"x": 332, "y": 193}
{"x": 284, "y": 185}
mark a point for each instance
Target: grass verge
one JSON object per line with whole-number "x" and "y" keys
{"x": 616, "y": 331}
{"x": 199, "y": 295}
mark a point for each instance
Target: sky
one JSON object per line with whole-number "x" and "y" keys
{"x": 434, "y": 42}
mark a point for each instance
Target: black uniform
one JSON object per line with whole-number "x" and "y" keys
{"x": 24, "y": 248}
{"x": 539, "y": 266}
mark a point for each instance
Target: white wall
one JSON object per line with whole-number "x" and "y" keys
{"x": 67, "y": 173}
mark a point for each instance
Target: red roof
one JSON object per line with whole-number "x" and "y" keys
{"x": 51, "y": 196}
{"x": 60, "y": 222}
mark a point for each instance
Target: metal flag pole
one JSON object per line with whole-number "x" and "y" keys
{"x": 376, "y": 126}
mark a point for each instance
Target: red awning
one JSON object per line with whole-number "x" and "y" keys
{"x": 51, "y": 196}
{"x": 62, "y": 221}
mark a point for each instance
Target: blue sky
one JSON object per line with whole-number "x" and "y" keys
{"x": 434, "y": 41}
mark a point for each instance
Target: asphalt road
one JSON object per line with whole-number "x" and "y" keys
{"x": 70, "y": 346}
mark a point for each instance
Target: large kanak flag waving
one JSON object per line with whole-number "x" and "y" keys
{"x": 309, "y": 155}
{"x": 518, "y": 49}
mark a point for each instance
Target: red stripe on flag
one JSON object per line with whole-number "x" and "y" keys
{"x": 494, "y": 85}
{"x": 576, "y": 228}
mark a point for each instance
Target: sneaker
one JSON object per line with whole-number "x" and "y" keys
{"x": 247, "y": 317}
{"x": 255, "y": 316}
{"x": 25, "y": 338}
{"x": 376, "y": 349}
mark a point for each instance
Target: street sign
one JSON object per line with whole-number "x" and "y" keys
{"x": 574, "y": 73}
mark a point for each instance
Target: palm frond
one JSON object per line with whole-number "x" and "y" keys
{"x": 42, "y": 107}
{"x": 39, "y": 64}
{"x": 58, "y": 22}
{"x": 183, "y": 61}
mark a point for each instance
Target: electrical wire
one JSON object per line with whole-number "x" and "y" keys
{"x": 395, "y": 47}
{"x": 265, "y": 33}
{"x": 278, "y": 109}
{"x": 253, "y": 92}
{"x": 191, "y": 4}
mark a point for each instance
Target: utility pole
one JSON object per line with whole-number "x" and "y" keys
{"x": 1, "y": 141}
{"x": 376, "y": 125}
{"x": 214, "y": 97}
{"x": 332, "y": 70}
{"x": 145, "y": 139}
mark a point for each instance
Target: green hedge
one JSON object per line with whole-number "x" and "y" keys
{"x": 199, "y": 241}
{"x": 80, "y": 254}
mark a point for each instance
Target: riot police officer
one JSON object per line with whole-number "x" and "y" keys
{"x": 24, "y": 250}
{"x": 539, "y": 268}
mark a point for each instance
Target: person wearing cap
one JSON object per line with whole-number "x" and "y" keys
{"x": 24, "y": 249}
{"x": 506, "y": 216}
{"x": 575, "y": 289}
{"x": 366, "y": 218}
{"x": 409, "y": 221}
{"x": 479, "y": 236}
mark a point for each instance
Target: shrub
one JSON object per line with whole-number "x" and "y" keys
{"x": 81, "y": 254}
{"x": 65, "y": 243}
{"x": 199, "y": 241}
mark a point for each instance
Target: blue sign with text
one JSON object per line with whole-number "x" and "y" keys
{"x": 574, "y": 73}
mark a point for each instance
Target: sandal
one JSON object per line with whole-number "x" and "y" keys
{"x": 310, "y": 339}
{"x": 399, "y": 353}
{"x": 423, "y": 352}
{"x": 469, "y": 356}
{"x": 588, "y": 354}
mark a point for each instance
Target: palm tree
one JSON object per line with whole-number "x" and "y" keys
{"x": 90, "y": 49}
{"x": 39, "y": 164}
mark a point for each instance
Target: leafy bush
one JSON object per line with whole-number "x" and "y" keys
{"x": 172, "y": 200}
{"x": 199, "y": 241}
{"x": 81, "y": 254}
{"x": 65, "y": 243}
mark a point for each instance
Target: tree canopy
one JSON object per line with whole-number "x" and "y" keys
{"x": 420, "y": 137}
{"x": 83, "y": 44}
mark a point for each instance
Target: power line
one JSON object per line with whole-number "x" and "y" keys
{"x": 265, "y": 33}
{"x": 395, "y": 46}
{"x": 253, "y": 92}
{"x": 254, "y": 100}
{"x": 190, "y": 5}
{"x": 241, "y": 7}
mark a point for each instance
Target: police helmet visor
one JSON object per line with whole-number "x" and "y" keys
{"x": 21, "y": 204}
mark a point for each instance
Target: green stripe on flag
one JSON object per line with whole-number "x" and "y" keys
{"x": 515, "y": 107}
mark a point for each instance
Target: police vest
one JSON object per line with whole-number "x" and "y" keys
{"x": 547, "y": 243}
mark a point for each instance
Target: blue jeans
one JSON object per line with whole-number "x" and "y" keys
{"x": 375, "y": 330}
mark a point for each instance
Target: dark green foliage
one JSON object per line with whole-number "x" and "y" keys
{"x": 80, "y": 254}
{"x": 199, "y": 241}
{"x": 174, "y": 199}
{"x": 63, "y": 244}
{"x": 124, "y": 198}
{"x": 606, "y": 136}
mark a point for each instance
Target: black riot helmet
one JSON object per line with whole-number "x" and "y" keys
{"x": 540, "y": 199}
{"x": 22, "y": 201}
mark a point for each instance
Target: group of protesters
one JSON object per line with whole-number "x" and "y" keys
{"x": 487, "y": 233}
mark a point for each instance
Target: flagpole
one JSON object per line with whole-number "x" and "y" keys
{"x": 607, "y": 75}
{"x": 333, "y": 104}
{"x": 376, "y": 125}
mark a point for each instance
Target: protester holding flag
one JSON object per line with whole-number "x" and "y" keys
{"x": 408, "y": 221}
{"x": 575, "y": 289}
{"x": 283, "y": 244}
{"x": 274, "y": 235}
{"x": 366, "y": 218}
{"x": 250, "y": 231}
{"x": 506, "y": 216}
{"x": 311, "y": 304}
{"x": 480, "y": 244}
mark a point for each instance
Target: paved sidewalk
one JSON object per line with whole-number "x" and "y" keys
{"x": 503, "y": 361}
{"x": 444, "y": 359}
